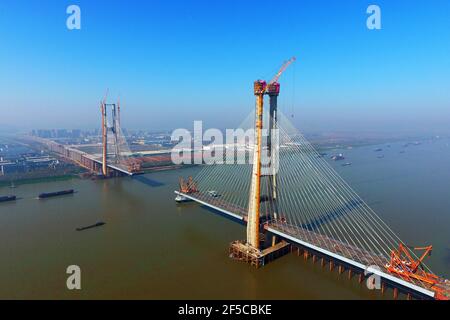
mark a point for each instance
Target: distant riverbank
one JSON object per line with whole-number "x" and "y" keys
{"x": 7, "y": 181}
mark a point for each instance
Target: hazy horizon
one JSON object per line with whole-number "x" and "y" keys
{"x": 172, "y": 63}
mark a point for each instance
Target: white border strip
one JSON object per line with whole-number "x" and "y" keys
{"x": 210, "y": 205}
{"x": 354, "y": 263}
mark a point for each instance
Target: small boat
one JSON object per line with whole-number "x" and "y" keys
{"x": 98, "y": 224}
{"x": 7, "y": 198}
{"x": 180, "y": 198}
{"x": 378, "y": 150}
{"x": 346, "y": 164}
{"x": 338, "y": 157}
{"x": 213, "y": 193}
{"x": 381, "y": 156}
{"x": 55, "y": 194}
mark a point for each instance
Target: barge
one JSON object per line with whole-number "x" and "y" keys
{"x": 55, "y": 194}
{"x": 7, "y": 198}
{"x": 98, "y": 224}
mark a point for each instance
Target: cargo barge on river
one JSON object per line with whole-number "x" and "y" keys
{"x": 55, "y": 194}
{"x": 7, "y": 198}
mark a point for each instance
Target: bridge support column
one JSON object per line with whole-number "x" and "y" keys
{"x": 257, "y": 258}
{"x": 395, "y": 293}
{"x": 253, "y": 222}
{"x": 349, "y": 274}
{"x": 104, "y": 140}
{"x": 341, "y": 269}
{"x": 252, "y": 246}
{"x": 272, "y": 146}
{"x": 115, "y": 131}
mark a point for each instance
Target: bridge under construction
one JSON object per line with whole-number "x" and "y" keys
{"x": 115, "y": 158}
{"x": 298, "y": 203}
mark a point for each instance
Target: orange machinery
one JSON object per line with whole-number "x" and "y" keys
{"x": 188, "y": 186}
{"x": 406, "y": 267}
{"x": 133, "y": 165}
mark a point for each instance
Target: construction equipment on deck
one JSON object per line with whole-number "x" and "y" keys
{"x": 403, "y": 265}
{"x": 273, "y": 86}
{"x": 133, "y": 165}
{"x": 188, "y": 186}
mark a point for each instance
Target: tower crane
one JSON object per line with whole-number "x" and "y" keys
{"x": 260, "y": 88}
{"x": 273, "y": 87}
{"x": 282, "y": 69}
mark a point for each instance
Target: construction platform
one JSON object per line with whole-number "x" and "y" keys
{"x": 241, "y": 251}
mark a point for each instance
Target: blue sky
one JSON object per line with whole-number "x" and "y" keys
{"x": 174, "y": 62}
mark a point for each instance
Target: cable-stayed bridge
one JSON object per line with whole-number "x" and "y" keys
{"x": 298, "y": 202}
{"x": 115, "y": 151}
{"x": 114, "y": 157}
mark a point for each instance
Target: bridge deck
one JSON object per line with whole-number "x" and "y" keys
{"x": 114, "y": 167}
{"x": 333, "y": 249}
{"x": 331, "y": 245}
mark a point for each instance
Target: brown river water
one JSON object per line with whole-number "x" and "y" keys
{"x": 152, "y": 248}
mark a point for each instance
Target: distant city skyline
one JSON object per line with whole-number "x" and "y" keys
{"x": 173, "y": 62}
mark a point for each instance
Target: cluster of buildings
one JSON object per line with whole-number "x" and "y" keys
{"x": 59, "y": 133}
{"x": 26, "y": 163}
{"x": 77, "y": 136}
{"x": 147, "y": 138}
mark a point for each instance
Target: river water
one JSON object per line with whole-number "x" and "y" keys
{"x": 151, "y": 248}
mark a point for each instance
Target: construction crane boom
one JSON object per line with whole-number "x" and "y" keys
{"x": 282, "y": 69}
{"x": 106, "y": 96}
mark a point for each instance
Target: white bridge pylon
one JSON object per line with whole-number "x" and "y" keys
{"x": 116, "y": 154}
